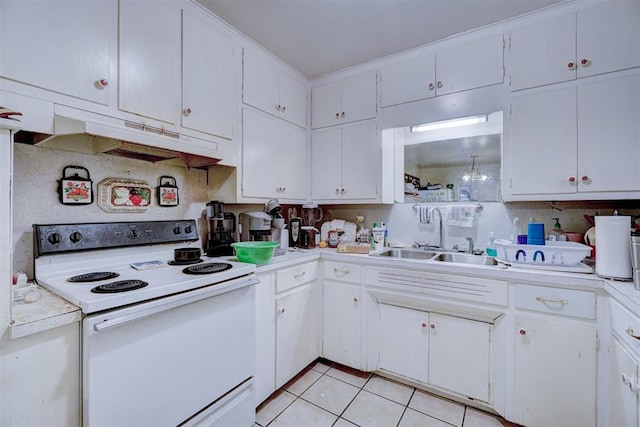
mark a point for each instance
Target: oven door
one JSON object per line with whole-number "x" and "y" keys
{"x": 162, "y": 362}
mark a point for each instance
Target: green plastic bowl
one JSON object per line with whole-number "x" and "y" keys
{"x": 257, "y": 253}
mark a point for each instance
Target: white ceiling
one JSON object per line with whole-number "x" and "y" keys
{"x": 317, "y": 37}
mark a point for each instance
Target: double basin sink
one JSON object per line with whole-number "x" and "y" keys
{"x": 427, "y": 255}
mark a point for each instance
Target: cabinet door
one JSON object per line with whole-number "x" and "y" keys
{"x": 609, "y": 135}
{"x": 623, "y": 399}
{"x": 266, "y": 142}
{"x": 359, "y": 99}
{"x": 296, "y": 329}
{"x": 292, "y": 145}
{"x": 326, "y": 164}
{"x": 293, "y": 101}
{"x": 452, "y": 341}
{"x": 608, "y": 37}
{"x": 542, "y": 154}
{"x": 341, "y": 331}
{"x": 149, "y": 58}
{"x": 471, "y": 65}
{"x": 361, "y": 161}
{"x": 69, "y": 43}
{"x": 208, "y": 78}
{"x": 544, "y": 53}
{"x": 403, "y": 341}
{"x": 260, "y": 175}
{"x": 554, "y": 373}
{"x": 408, "y": 81}
{"x": 260, "y": 84}
{"x": 326, "y": 105}
{"x": 265, "y": 376}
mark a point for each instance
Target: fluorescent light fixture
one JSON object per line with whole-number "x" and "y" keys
{"x": 463, "y": 121}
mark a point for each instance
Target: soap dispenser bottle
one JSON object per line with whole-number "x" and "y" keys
{"x": 557, "y": 234}
{"x": 491, "y": 250}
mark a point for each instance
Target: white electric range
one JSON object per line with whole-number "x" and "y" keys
{"x": 163, "y": 342}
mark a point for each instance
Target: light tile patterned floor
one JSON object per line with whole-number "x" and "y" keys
{"x": 325, "y": 394}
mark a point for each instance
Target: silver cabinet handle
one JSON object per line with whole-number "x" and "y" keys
{"x": 338, "y": 271}
{"x": 630, "y": 332}
{"x": 300, "y": 275}
{"x": 559, "y": 301}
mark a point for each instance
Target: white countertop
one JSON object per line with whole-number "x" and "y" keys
{"x": 49, "y": 312}
{"x": 52, "y": 311}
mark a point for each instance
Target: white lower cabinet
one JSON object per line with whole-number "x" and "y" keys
{"x": 403, "y": 346}
{"x": 623, "y": 381}
{"x": 435, "y": 349}
{"x": 451, "y": 341}
{"x": 297, "y": 342}
{"x": 623, "y": 386}
{"x": 342, "y": 325}
{"x": 554, "y": 357}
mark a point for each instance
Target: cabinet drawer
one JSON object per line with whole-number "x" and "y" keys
{"x": 342, "y": 272}
{"x": 295, "y": 276}
{"x": 566, "y": 302}
{"x": 625, "y": 325}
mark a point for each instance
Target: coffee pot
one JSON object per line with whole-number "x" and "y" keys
{"x": 221, "y": 227}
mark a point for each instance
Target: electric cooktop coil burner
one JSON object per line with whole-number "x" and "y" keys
{"x": 208, "y": 268}
{"x": 93, "y": 277}
{"x": 120, "y": 286}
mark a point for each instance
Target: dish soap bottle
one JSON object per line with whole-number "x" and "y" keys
{"x": 491, "y": 245}
{"x": 557, "y": 233}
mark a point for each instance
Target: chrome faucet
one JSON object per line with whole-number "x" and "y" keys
{"x": 440, "y": 244}
{"x": 470, "y": 240}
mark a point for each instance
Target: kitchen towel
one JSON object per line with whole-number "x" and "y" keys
{"x": 461, "y": 215}
{"x": 423, "y": 213}
{"x": 613, "y": 235}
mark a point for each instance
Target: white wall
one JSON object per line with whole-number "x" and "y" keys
{"x": 36, "y": 201}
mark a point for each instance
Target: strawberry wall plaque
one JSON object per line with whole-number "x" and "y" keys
{"x": 75, "y": 189}
{"x": 124, "y": 195}
{"x": 167, "y": 191}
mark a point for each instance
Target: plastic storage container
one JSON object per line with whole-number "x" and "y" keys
{"x": 553, "y": 253}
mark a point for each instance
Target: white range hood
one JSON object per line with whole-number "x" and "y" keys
{"x": 81, "y": 131}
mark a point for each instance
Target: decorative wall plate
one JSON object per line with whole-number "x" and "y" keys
{"x": 74, "y": 189}
{"x": 124, "y": 195}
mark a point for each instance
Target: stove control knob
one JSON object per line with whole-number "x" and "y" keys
{"x": 188, "y": 229}
{"x": 177, "y": 230}
{"x": 54, "y": 238}
{"x": 133, "y": 233}
{"x": 75, "y": 237}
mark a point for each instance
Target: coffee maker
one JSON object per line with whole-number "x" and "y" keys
{"x": 221, "y": 228}
{"x": 255, "y": 226}
{"x": 278, "y": 231}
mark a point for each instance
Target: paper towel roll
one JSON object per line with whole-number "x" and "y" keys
{"x": 612, "y": 246}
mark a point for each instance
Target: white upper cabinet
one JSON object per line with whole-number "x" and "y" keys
{"x": 346, "y": 163}
{"x": 272, "y": 91}
{"x": 208, "y": 78}
{"x": 63, "y": 46}
{"x": 149, "y": 60}
{"x": 468, "y": 66}
{"x": 267, "y": 141}
{"x": 343, "y": 101}
{"x": 550, "y": 156}
{"x": 594, "y": 41}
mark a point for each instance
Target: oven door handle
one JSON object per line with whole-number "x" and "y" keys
{"x": 173, "y": 302}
